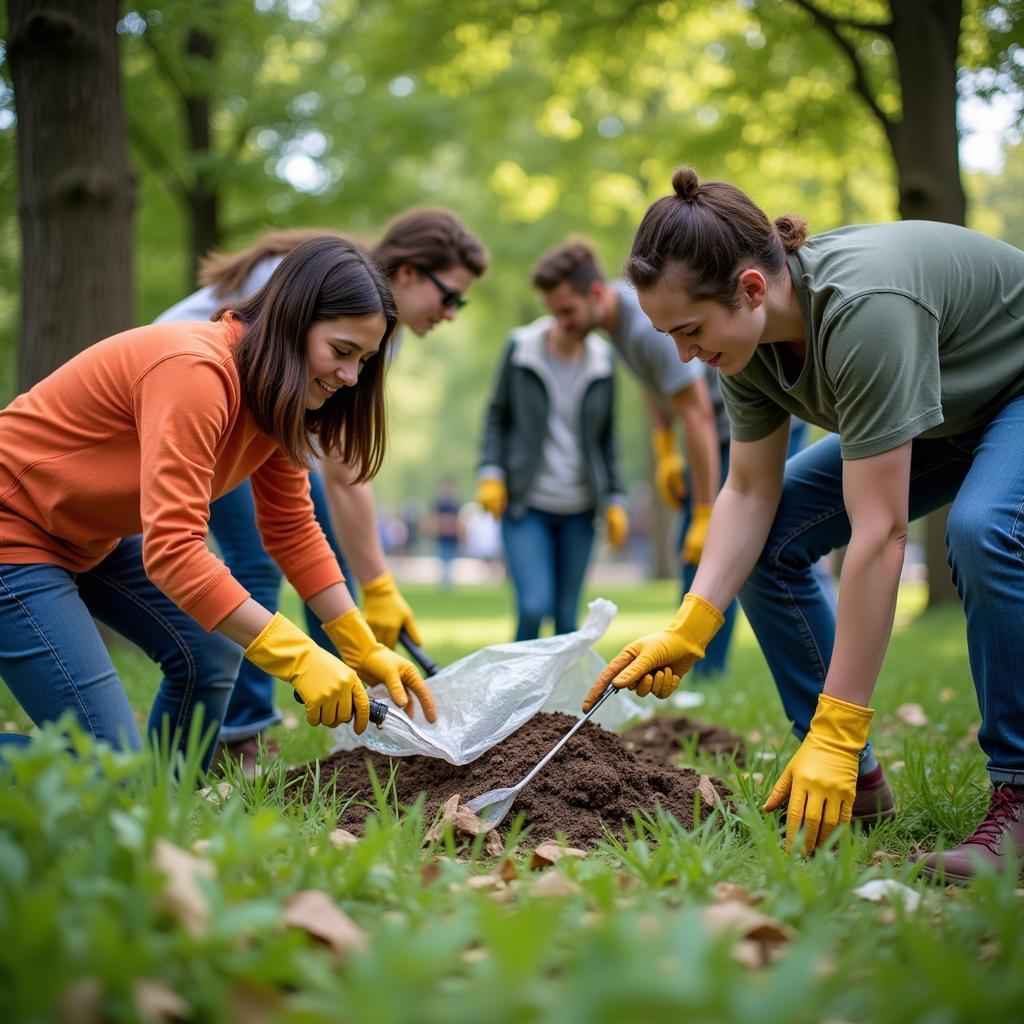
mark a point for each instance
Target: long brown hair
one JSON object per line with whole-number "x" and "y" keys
{"x": 429, "y": 238}
{"x": 706, "y": 232}
{"x": 323, "y": 278}
{"x": 227, "y": 272}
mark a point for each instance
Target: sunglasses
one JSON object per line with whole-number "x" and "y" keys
{"x": 450, "y": 299}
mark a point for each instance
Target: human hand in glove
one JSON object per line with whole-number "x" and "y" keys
{"x": 616, "y": 524}
{"x": 330, "y": 689}
{"x": 386, "y": 612}
{"x": 820, "y": 780}
{"x": 376, "y": 665}
{"x": 669, "y": 468}
{"x": 655, "y": 663}
{"x": 696, "y": 535}
{"x": 492, "y": 495}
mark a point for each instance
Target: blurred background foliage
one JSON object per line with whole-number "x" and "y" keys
{"x": 531, "y": 118}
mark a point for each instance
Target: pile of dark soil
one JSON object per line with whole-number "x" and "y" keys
{"x": 594, "y": 784}
{"x": 661, "y": 739}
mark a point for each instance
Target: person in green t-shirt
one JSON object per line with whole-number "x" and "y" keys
{"x": 907, "y": 341}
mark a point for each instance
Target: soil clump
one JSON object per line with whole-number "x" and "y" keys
{"x": 661, "y": 739}
{"x": 593, "y": 786}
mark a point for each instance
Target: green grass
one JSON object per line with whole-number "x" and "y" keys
{"x": 80, "y": 907}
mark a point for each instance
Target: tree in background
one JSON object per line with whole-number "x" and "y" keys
{"x": 76, "y": 187}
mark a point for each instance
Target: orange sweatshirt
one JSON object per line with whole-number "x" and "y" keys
{"x": 139, "y": 433}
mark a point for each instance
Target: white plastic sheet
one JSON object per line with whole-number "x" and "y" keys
{"x": 486, "y": 696}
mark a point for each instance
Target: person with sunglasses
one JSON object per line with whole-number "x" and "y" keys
{"x": 430, "y": 261}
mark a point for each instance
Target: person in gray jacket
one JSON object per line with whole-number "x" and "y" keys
{"x": 550, "y": 465}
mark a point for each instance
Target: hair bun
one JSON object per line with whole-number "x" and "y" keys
{"x": 686, "y": 183}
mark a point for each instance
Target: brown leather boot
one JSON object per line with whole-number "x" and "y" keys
{"x": 873, "y": 802}
{"x": 1001, "y": 830}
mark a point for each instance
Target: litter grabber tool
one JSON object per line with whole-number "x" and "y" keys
{"x": 496, "y": 803}
{"x": 427, "y": 665}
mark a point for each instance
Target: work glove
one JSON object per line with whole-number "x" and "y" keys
{"x": 376, "y": 665}
{"x": 492, "y": 495}
{"x": 330, "y": 689}
{"x": 655, "y": 663}
{"x": 669, "y": 468}
{"x": 616, "y": 524}
{"x": 386, "y": 612}
{"x": 696, "y": 534}
{"x": 820, "y": 781}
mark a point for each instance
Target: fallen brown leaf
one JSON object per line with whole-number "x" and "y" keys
{"x": 547, "y": 853}
{"x": 460, "y": 818}
{"x": 554, "y": 883}
{"x": 912, "y": 714}
{"x": 756, "y": 936}
{"x": 315, "y": 913}
{"x": 725, "y": 891}
{"x": 493, "y": 846}
{"x": 181, "y": 896}
{"x": 430, "y": 872}
{"x": 483, "y": 883}
{"x": 707, "y": 791}
{"x": 156, "y": 1002}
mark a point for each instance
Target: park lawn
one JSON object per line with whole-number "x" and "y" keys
{"x": 629, "y": 939}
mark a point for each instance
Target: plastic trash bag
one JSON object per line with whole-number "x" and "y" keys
{"x": 486, "y": 696}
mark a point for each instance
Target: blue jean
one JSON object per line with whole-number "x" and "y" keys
{"x": 983, "y": 475}
{"x": 547, "y": 555}
{"x": 233, "y": 525}
{"x": 53, "y": 658}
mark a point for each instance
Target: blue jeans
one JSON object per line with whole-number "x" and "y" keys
{"x": 547, "y": 555}
{"x": 233, "y": 525}
{"x": 53, "y": 658}
{"x": 982, "y": 473}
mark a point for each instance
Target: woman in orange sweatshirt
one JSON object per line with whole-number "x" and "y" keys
{"x": 138, "y": 434}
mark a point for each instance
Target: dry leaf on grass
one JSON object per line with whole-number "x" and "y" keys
{"x": 81, "y": 1003}
{"x": 725, "y": 891}
{"x": 483, "y": 883}
{"x": 315, "y": 913}
{"x": 460, "y": 818}
{"x": 493, "y": 846}
{"x": 431, "y": 872}
{"x": 554, "y": 883}
{"x": 181, "y": 895}
{"x": 547, "y": 853}
{"x": 912, "y": 714}
{"x": 707, "y": 791}
{"x": 216, "y": 794}
{"x": 339, "y": 837}
{"x": 507, "y": 870}
{"x": 757, "y": 938}
{"x": 156, "y": 1002}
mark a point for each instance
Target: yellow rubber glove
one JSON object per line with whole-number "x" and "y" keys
{"x": 386, "y": 612}
{"x": 669, "y": 468}
{"x": 330, "y": 689}
{"x": 696, "y": 534}
{"x": 655, "y": 663}
{"x": 376, "y": 665}
{"x": 616, "y": 523}
{"x": 820, "y": 781}
{"x": 492, "y": 494}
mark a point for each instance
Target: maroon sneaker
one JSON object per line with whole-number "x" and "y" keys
{"x": 1001, "y": 830}
{"x": 873, "y": 802}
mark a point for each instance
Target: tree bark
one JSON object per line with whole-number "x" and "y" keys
{"x": 76, "y": 187}
{"x": 203, "y": 204}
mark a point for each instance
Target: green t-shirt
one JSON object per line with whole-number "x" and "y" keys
{"x": 913, "y": 329}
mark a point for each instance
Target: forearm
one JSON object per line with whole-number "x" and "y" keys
{"x": 703, "y": 455}
{"x": 867, "y": 604}
{"x": 736, "y": 536}
{"x": 354, "y": 518}
{"x": 245, "y": 623}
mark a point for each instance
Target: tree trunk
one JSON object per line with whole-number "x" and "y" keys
{"x": 202, "y": 197}
{"x": 76, "y": 187}
{"x": 926, "y": 41}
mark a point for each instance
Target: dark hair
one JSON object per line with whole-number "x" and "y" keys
{"x": 228, "y": 272}
{"x": 429, "y": 238}
{"x": 321, "y": 279}
{"x": 707, "y": 232}
{"x": 574, "y": 261}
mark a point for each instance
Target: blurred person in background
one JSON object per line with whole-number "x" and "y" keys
{"x": 447, "y": 529}
{"x": 430, "y": 261}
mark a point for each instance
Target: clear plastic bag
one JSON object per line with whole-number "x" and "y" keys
{"x": 487, "y": 695}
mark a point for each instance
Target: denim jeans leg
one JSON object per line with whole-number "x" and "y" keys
{"x": 318, "y": 492}
{"x": 199, "y": 667}
{"x": 251, "y": 709}
{"x": 714, "y": 660}
{"x": 574, "y": 541}
{"x": 53, "y": 658}
{"x": 530, "y": 556}
{"x": 986, "y": 549}
{"x": 783, "y": 599}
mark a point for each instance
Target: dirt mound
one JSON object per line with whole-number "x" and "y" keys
{"x": 659, "y": 740}
{"x": 593, "y": 785}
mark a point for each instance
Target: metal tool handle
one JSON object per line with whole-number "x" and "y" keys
{"x": 420, "y": 656}
{"x": 561, "y": 743}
